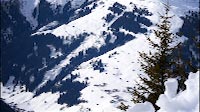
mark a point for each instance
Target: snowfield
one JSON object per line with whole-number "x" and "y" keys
{"x": 116, "y": 70}
{"x": 184, "y": 101}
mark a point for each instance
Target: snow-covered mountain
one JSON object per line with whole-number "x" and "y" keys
{"x": 79, "y": 55}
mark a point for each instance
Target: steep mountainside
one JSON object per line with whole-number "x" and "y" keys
{"x": 80, "y": 55}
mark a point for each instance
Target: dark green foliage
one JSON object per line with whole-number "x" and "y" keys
{"x": 168, "y": 62}
{"x": 123, "y": 107}
{"x": 179, "y": 69}
{"x": 158, "y": 65}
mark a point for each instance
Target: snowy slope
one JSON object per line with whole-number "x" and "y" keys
{"x": 29, "y": 7}
{"x": 105, "y": 60}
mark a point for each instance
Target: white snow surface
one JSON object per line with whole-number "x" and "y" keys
{"x": 54, "y": 52}
{"x": 142, "y": 107}
{"x": 50, "y": 25}
{"x": 182, "y": 6}
{"x": 26, "y": 100}
{"x": 28, "y": 6}
{"x": 105, "y": 90}
{"x": 95, "y": 25}
{"x": 185, "y": 101}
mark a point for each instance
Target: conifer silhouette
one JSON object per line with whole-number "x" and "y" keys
{"x": 157, "y": 65}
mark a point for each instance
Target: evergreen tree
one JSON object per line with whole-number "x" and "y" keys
{"x": 158, "y": 65}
